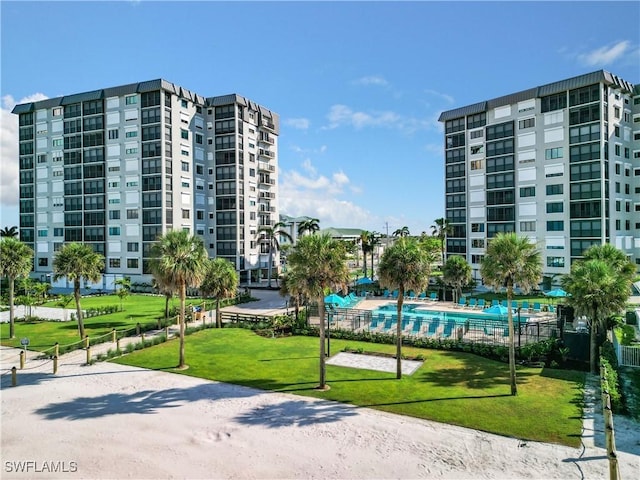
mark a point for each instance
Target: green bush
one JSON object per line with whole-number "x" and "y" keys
{"x": 627, "y": 334}
{"x": 610, "y": 384}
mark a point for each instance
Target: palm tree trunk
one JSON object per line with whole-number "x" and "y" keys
{"x": 593, "y": 344}
{"x": 270, "y": 261}
{"x": 166, "y": 307}
{"x": 183, "y": 295}
{"x": 512, "y": 342}
{"x": 321, "y": 312}
{"x": 218, "y": 316}
{"x": 399, "y": 334}
{"x": 76, "y": 295}
{"x": 12, "y": 284}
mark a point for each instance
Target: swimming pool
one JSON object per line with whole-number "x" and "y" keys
{"x": 459, "y": 318}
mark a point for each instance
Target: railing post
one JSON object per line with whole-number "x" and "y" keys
{"x": 138, "y": 328}
{"x": 113, "y": 335}
{"x": 166, "y": 332}
{"x": 14, "y": 377}
{"x": 22, "y": 355}
{"x": 86, "y": 341}
{"x": 118, "y": 345}
{"x": 88, "y": 355}
{"x": 142, "y": 337}
{"x": 56, "y": 350}
{"x": 55, "y": 364}
{"x": 609, "y": 435}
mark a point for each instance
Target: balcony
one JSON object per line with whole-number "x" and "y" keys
{"x": 265, "y": 153}
{"x": 268, "y": 124}
{"x": 266, "y": 167}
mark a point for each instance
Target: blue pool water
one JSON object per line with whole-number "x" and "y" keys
{"x": 459, "y": 318}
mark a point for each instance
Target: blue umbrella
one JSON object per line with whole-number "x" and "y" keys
{"x": 497, "y": 310}
{"x": 557, "y": 293}
{"x": 364, "y": 281}
{"x": 335, "y": 299}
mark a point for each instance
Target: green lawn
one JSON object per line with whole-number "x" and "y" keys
{"x": 450, "y": 387}
{"x": 143, "y": 309}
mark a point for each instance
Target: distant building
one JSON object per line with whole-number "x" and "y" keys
{"x": 117, "y": 167}
{"x": 559, "y": 163}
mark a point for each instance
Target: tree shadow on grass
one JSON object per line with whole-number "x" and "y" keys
{"x": 287, "y": 359}
{"x": 427, "y": 400}
{"x": 473, "y": 375}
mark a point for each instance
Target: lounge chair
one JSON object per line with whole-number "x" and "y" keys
{"x": 386, "y": 293}
{"x": 495, "y": 303}
{"x": 411, "y": 295}
{"x": 388, "y": 324}
{"x": 536, "y": 307}
{"x": 462, "y": 302}
{"x": 417, "y": 327}
{"x": 525, "y": 305}
{"x": 433, "y": 326}
{"x": 481, "y": 304}
{"x": 422, "y": 296}
{"x": 448, "y": 329}
{"x": 504, "y": 304}
{"x": 394, "y": 294}
{"x": 473, "y": 303}
{"x": 552, "y": 309}
{"x": 433, "y": 297}
{"x": 406, "y": 320}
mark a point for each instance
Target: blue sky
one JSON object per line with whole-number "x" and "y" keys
{"x": 358, "y": 85}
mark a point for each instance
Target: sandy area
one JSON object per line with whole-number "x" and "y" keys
{"x": 112, "y": 421}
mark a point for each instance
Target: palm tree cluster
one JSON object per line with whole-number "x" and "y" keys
{"x": 16, "y": 261}
{"x": 599, "y": 287}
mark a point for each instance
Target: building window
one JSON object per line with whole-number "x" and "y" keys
{"x": 132, "y": 263}
{"x": 131, "y": 100}
{"x": 477, "y": 243}
{"x": 527, "y": 191}
{"x": 57, "y": 112}
{"x": 114, "y": 263}
{"x": 131, "y": 133}
{"x": 557, "y": 262}
{"x": 527, "y": 123}
{"x": 114, "y": 214}
{"x": 113, "y": 134}
{"x": 43, "y": 262}
{"x": 477, "y": 227}
{"x": 555, "y": 226}
{"x": 528, "y": 226}
{"x": 555, "y": 189}
{"x": 553, "y": 153}
{"x": 133, "y": 247}
{"x": 185, "y": 213}
{"x": 555, "y": 207}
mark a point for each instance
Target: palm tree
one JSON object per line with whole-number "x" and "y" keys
{"x": 365, "y": 244}
{"x": 220, "y": 281}
{"x": 599, "y": 286}
{"x": 373, "y": 241}
{"x": 166, "y": 290}
{"x": 401, "y": 232}
{"x": 511, "y": 260}
{"x": 125, "y": 288}
{"x": 78, "y": 262}
{"x": 456, "y": 273}
{"x": 441, "y": 229}
{"x": 318, "y": 263}
{"x": 178, "y": 262}
{"x": 16, "y": 261}
{"x": 9, "y": 232}
{"x": 271, "y": 234}
{"x": 311, "y": 225}
{"x": 404, "y": 266}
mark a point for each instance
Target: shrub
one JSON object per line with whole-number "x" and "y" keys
{"x": 610, "y": 384}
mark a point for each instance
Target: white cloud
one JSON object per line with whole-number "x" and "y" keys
{"x": 343, "y": 115}
{"x": 320, "y": 197}
{"x": 375, "y": 80}
{"x": 447, "y": 98}
{"x": 605, "y": 55}
{"x": 340, "y": 115}
{"x": 9, "y": 151}
{"x": 298, "y": 123}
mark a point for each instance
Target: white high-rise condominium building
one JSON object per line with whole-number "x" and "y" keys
{"x": 559, "y": 163}
{"x": 117, "y": 167}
